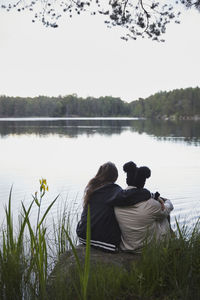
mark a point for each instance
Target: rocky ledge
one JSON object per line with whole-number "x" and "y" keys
{"x": 67, "y": 265}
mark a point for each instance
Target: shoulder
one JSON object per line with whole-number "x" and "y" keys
{"x": 108, "y": 187}
{"x": 153, "y": 204}
{"x": 113, "y": 186}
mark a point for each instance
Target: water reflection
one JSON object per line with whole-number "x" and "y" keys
{"x": 68, "y": 152}
{"x": 186, "y": 131}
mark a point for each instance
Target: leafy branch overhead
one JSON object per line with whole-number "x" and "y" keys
{"x": 144, "y": 18}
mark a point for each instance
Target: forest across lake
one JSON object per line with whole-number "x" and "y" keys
{"x": 176, "y": 104}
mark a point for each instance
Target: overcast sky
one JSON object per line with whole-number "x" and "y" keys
{"x": 82, "y": 56}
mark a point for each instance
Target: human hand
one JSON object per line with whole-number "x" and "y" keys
{"x": 162, "y": 203}
{"x": 164, "y": 199}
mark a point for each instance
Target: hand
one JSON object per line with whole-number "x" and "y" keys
{"x": 162, "y": 203}
{"x": 164, "y": 199}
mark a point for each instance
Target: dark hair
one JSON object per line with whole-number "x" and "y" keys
{"x": 142, "y": 174}
{"x": 107, "y": 173}
{"x": 136, "y": 176}
{"x": 130, "y": 168}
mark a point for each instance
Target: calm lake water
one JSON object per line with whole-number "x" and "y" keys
{"x": 67, "y": 152}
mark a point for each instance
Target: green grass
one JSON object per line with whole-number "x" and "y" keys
{"x": 165, "y": 271}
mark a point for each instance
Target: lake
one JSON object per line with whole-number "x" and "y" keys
{"x": 67, "y": 152}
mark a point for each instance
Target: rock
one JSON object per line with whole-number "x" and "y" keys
{"x": 67, "y": 266}
{"x": 120, "y": 259}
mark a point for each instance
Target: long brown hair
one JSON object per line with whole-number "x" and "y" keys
{"x": 107, "y": 173}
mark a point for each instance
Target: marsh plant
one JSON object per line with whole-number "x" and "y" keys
{"x": 27, "y": 256}
{"x": 164, "y": 271}
{"x": 24, "y": 254}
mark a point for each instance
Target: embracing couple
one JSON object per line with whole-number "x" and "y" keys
{"x": 123, "y": 219}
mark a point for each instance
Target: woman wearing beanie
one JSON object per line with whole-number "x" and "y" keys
{"x": 145, "y": 221}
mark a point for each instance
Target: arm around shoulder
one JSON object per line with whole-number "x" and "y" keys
{"x": 129, "y": 197}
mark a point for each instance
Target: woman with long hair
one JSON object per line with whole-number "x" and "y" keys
{"x": 102, "y": 195}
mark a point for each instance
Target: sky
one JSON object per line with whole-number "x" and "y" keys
{"x": 82, "y": 56}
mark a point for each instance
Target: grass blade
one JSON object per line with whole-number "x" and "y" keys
{"x": 46, "y": 212}
{"x": 87, "y": 256}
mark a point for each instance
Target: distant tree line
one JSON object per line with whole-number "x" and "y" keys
{"x": 180, "y": 103}
{"x": 69, "y": 106}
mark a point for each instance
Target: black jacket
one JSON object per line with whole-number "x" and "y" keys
{"x": 105, "y": 232}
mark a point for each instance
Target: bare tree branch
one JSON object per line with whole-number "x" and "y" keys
{"x": 138, "y": 19}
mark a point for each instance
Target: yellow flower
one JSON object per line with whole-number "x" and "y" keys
{"x": 43, "y": 185}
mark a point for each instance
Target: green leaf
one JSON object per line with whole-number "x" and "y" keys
{"x": 36, "y": 201}
{"x": 46, "y": 212}
{"x": 22, "y": 227}
{"x": 87, "y": 256}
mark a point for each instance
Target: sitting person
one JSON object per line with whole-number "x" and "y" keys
{"x": 145, "y": 221}
{"x": 102, "y": 195}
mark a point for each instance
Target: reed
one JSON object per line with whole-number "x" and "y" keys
{"x": 83, "y": 271}
{"x": 24, "y": 258}
{"x": 165, "y": 271}
{"x": 59, "y": 240}
{"x": 13, "y": 262}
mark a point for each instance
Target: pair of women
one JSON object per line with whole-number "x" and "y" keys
{"x": 122, "y": 218}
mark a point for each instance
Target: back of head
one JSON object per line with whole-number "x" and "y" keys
{"x": 131, "y": 169}
{"x": 142, "y": 174}
{"x": 136, "y": 176}
{"x": 107, "y": 173}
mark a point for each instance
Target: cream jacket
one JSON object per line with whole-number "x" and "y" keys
{"x": 143, "y": 222}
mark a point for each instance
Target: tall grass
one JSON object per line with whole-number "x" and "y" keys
{"x": 66, "y": 220}
{"x": 12, "y": 259}
{"x": 23, "y": 258}
{"x": 165, "y": 271}
{"x": 83, "y": 270}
